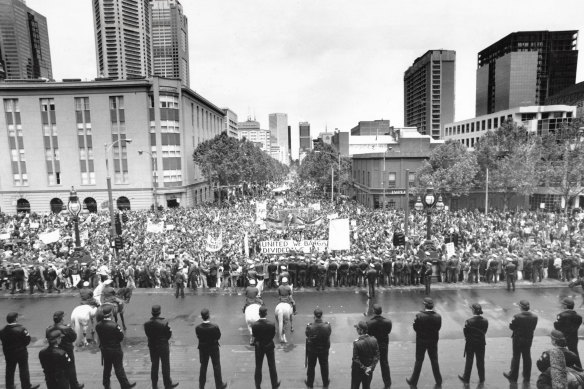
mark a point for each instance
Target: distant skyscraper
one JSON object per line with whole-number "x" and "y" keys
{"x": 170, "y": 42}
{"x": 304, "y": 135}
{"x": 123, "y": 39}
{"x": 429, "y": 92}
{"x": 278, "y": 126}
{"x": 24, "y": 41}
{"x": 524, "y": 68}
{"x": 230, "y": 123}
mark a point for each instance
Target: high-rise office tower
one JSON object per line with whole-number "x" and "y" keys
{"x": 24, "y": 41}
{"x": 304, "y": 135}
{"x": 123, "y": 38}
{"x": 170, "y": 42}
{"x": 278, "y": 126}
{"x": 524, "y": 68}
{"x": 429, "y": 92}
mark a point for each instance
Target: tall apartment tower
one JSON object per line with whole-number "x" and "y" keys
{"x": 429, "y": 92}
{"x": 24, "y": 42}
{"x": 170, "y": 42}
{"x": 304, "y": 135}
{"x": 123, "y": 38}
{"x": 278, "y": 126}
{"x": 524, "y": 68}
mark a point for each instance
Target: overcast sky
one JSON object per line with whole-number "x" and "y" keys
{"x": 328, "y": 62}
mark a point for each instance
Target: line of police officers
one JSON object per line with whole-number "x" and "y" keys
{"x": 369, "y": 349}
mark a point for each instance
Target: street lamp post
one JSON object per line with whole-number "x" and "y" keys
{"x": 154, "y": 182}
{"x": 74, "y": 208}
{"x": 107, "y": 148}
{"x": 384, "y": 174}
{"x": 429, "y": 204}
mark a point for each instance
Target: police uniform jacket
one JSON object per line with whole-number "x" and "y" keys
{"x": 158, "y": 332}
{"x": 209, "y": 335}
{"x": 427, "y": 325}
{"x": 568, "y": 323}
{"x": 380, "y": 327}
{"x": 86, "y": 294}
{"x": 54, "y": 361}
{"x": 110, "y": 335}
{"x": 263, "y": 332}
{"x": 284, "y": 291}
{"x": 523, "y": 325}
{"x": 475, "y": 330}
{"x": 365, "y": 352}
{"x": 251, "y": 292}
{"x": 318, "y": 336}
{"x": 14, "y": 338}
{"x": 18, "y": 274}
{"x": 69, "y": 335}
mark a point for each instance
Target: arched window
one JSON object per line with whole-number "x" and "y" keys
{"x": 22, "y": 205}
{"x": 56, "y": 205}
{"x": 123, "y": 203}
{"x": 90, "y": 204}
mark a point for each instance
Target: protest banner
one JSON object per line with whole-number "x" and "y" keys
{"x": 339, "y": 235}
{"x": 315, "y": 206}
{"x": 261, "y": 210}
{"x": 155, "y": 228}
{"x": 214, "y": 244}
{"x": 5, "y": 236}
{"x": 450, "y": 249}
{"x": 170, "y": 227}
{"x": 286, "y": 246}
{"x": 50, "y": 237}
{"x": 332, "y": 216}
{"x": 34, "y": 226}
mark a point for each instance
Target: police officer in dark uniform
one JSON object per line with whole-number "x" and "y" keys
{"x": 387, "y": 265}
{"x": 343, "y": 272}
{"x": 66, "y": 343}
{"x": 568, "y": 322}
{"x": 380, "y": 327}
{"x": 302, "y": 268}
{"x": 427, "y": 325}
{"x": 293, "y": 270}
{"x": 158, "y": 333}
{"x": 209, "y": 334}
{"x": 318, "y": 343}
{"x": 55, "y": 362}
{"x": 111, "y": 336}
{"x": 511, "y": 274}
{"x": 14, "y": 339}
{"x": 35, "y": 279}
{"x": 179, "y": 283}
{"x": 263, "y": 332}
{"x": 371, "y": 278}
{"x": 332, "y": 273}
{"x": 17, "y": 279}
{"x": 86, "y": 295}
{"x": 365, "y": 357}
{"x": 523, "y": 326}
{"x": 353, "y": 269}
{"x": 321, "y": 274}
{"x": 475, "y": 330}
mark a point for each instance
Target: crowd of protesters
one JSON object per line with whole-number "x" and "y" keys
{"x": 467, "y": 246}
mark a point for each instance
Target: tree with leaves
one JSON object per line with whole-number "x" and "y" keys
{"x": 321, "y": 163}
{"x": 562, "y": 162}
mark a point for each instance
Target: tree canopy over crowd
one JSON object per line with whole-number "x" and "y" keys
{"x": 322, "y": 162}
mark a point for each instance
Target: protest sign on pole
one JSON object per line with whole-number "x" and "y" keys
{"x": 261, "y": 210}
{"x": 339, "y": 235}
{"x": 50, "y": 237}
{"x": 214, "y": 244}
{"x": 155, "y": 228}
{"x": 450, "y": 249}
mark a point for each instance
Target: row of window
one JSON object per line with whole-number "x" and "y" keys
{"x": 479, "y": 125}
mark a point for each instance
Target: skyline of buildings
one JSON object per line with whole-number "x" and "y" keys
{"x": 429, "y": 92}
{"x": 24, "y": 42}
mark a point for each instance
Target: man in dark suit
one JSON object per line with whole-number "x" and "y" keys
{"x": 15, "y": 338}
{"x": 111, "y": 336}
{"x": 263, "y": 332}
{"x": 318, "y": 343}
{"x": 209, "y": 335}
{"x": 568, "y": 322}
{"x": 427, "y": 325}
{"x": 380, "y": 327}
{"x": 66, "y": 343}
{"x": 365, "y": 357}
{"x": 475, "y": 330}
{"x": 523, "y": 325}
{"x": 158, "y": 333}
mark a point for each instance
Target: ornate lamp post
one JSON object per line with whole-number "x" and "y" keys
{"x": 74, "y": 208}
{"x": 429, "y": 204}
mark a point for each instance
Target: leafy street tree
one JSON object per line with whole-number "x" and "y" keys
{"x": 512, "y": 157}
{"x": 450, "y": 170}
{"x": 321, "y": 162}
{"x": 562, "y": 161}
{"x": 226, "y": 161}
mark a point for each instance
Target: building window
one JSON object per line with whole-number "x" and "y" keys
{"x": 85, "y": 141}
{"x": 51, "y": 142}
{"x": 118, "y": 131}
{"x": 391, "y": 177}
{"x": 411, "y": 178}
{"x": 15, "y": 142}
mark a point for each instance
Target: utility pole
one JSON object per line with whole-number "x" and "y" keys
{"x": 487, "y": 193}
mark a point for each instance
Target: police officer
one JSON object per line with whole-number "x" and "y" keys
{"x": 510, "y": 274}
{"x": 263, "y": 332}
{"x": 17, "y": 279}
{"x": 475, "y": 330}
{"x": 523, "y": 326}
{"x": 568, "y": 322}
{"x": 285, "y": 294}
{"x": 111, "y": 336}
{"x": 321, "y": 276}
{"x": 55, "y": 362}
{"x": 158, "y": 333}
{"x": 318, "y": 343}
{"x": 365, "y": 357}
{"x": 66, "y": 343}
{"x": 179, "y": 282}
{"x": 380, "y": 327}
{"x": 209, "y": 334}
{"x": 35, "y": 279}
{"x": 252, "y": 295}
{"x": 86, "y": 295}
{"x": 14, "y": 339}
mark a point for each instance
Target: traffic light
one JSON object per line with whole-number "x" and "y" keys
{"x": 118, "y": 225}
{"x": 124, "y": 218}
{"x": 119, "y": 243}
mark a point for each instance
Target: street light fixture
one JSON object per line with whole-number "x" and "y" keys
{"x": 154, "y": 182}
{"x": 74, "y": 208}
{"x": 429, "y": 203}
{"x": 107, "y": 148}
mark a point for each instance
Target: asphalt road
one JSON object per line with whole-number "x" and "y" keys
{"x": 342, "y": 308}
